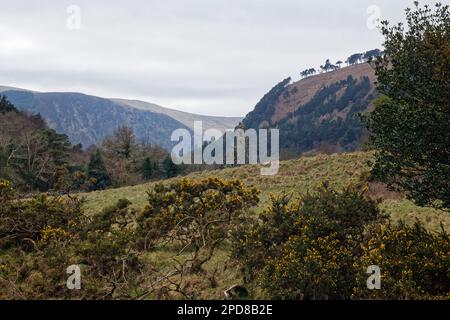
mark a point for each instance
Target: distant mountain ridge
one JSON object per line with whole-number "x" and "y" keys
{"x": 88, "y": 119}
{"x": 209, "y": 122}
{"x": 318, "y": 112}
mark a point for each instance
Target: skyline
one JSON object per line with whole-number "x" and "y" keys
{"x": 213, "y": 58}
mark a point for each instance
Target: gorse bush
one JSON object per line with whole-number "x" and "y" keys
{"x": 319, "y": 247}
{"x": 198, "y": 215}
{"x": 305, "y": 249}
{"x": 24, "y": 222}
{"x": 42, "y": 236}
{"x": 345, "y": 213}
{"x": 309, "y": 268}
{"x": 314, "y": 247}
{"x": 414, "y": 263}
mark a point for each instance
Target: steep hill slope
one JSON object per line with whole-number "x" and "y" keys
{"x": 303, "y": 91}
{"x": 89, "y": 119}
{"x": 321, "y": 111}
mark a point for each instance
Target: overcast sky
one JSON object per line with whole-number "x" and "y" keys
{"x": 215, "y": 57}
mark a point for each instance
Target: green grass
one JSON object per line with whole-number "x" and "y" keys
{"x": 297, "y": 176}
{"x": 407, "y": 211}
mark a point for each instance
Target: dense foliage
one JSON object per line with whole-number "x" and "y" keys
{"x": 320, "y": 247}
{"x": 305, "y": 249}
{"x": 410, "y": 126}
{"x": 42, "y": 236}
{"x": 97, "y": 172}
{"x": 31, "y": 154}
{"x": 330, "y": 117}
{"x": 37, "y": 158}
{"x": 196, "y": 214}
{"x": 414, "y": 263}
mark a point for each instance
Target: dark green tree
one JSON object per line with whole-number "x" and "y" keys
{"x": 6, "y": 106}
{"x": 147, "y": 169}
{"x": 304, "y": 73}
{"x": 354, "y": 58}
{"x": 372, "y": 54}
{"x": 410, "y": 126}
{"x": 327, "y": 66}
{"x": 170, "y": 168}
{"x": 97, "y": 172}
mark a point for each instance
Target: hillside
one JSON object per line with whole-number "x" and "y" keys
{"x": 88, "y": 119}
{"x": 303, "y": 91}
{"x": 318, "y": 112}
{"x": 298, "y": 176}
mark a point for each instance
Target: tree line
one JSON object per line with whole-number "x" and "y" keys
{"x": 351, "y": 60}
{"x": 37, "y": 158}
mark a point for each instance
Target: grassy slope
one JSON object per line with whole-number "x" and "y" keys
{"x": 304, "y": 90}
{"x": 298, "y": 176}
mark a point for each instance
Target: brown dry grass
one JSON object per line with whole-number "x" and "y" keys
{"x": 304, "y": 90}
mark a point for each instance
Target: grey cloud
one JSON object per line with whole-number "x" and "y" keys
{"x": 210, "y": 56}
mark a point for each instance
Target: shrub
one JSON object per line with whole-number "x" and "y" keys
{"x": 309, "y": 268}
{"x": 305, "y": 249}
{"x": 197, "y": 215}
{"x": 24, "y": 222}
{"x": 42, "y": 236}
{"x": 414, "y": 263}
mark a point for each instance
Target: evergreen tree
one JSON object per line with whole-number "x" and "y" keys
{"x": 354, "y": 58}
{"x": 170, "y": 168}
{"x": 98, "y": 173}
{"x": 6, "y": 106}
{"x": 372, "y": 54}
{"x": 147, "y": 169}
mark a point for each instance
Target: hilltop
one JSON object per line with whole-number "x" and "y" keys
{"x": 303, "y": 91}
{"x": 320, "y": 112}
